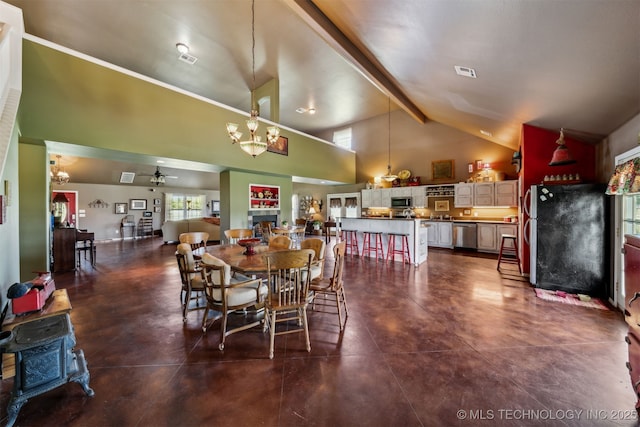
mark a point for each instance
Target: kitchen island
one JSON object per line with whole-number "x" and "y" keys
{"x": 416, "y": 229}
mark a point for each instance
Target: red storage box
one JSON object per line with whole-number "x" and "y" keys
{"x": 43, "y": 286}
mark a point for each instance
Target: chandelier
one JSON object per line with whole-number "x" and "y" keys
{"x": 254, "y": 146}
{"x": 58, "y": 175}
{"x": 389, "y": 177}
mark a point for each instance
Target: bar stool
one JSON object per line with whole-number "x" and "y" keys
{"x": 350, "y": 238}
{"x": 368, "y": 248}
{"x": 392, "y": 251}
{"x": 509, "y": 251}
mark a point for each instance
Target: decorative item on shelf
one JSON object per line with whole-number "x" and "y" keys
{"x": 389, "y": 177}
{"x": 561, "y": 155}
{"x": 254, "y": 146}
{"x": 98, "y": 203}
{"x": 58, "y": 175}
{"x": 517, "y": 160}
{"x": 443, "y": 169}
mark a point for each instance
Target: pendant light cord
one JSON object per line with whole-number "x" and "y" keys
{"x": 389, "y": 135}
{"x": 253, "y": 52}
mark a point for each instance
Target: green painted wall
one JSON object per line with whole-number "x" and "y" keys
{"x": 34, "y": 208}
{"x": 71, "y": 100}
{"x": 234, "y": 197}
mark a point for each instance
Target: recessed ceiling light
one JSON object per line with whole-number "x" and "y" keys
{"x": 465, "y": 71}
{"x": 485, "y": 133}
{"x": 160, "y": 161}
{"x": 302, "y": 110}
{"x": 182, "y": 48}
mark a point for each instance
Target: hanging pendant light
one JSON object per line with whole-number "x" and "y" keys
{"x": 254, "y": 146}
{"x": 58, "y": 175}
{"x": 561, "y": 155}
{"x": 389, "y": 177}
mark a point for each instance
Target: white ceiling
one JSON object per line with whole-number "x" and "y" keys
{"x": 550, "y": 63}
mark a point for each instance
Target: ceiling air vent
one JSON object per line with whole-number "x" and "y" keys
{"x": 465, "y": 71}
{"x": 127, "y": 177}
{"x": 189, "y": 59}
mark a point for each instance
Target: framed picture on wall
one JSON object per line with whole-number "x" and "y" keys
{"x": 281, "y": 146}
{"x": 156, "y": 209}
{"x": 121, "y": 208}
{"x": 156, "y": 202}
{"x": 138, "y": 204}
{"x": 443, "y": 169}
{"x": 146, "y": 214}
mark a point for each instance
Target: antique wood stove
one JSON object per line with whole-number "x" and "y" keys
{"x": 45, "y": 359}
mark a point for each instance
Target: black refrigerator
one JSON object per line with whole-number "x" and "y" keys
{"x": 568, "y": 235}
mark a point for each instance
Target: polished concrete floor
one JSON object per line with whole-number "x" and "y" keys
{"x": 451, "y": 343}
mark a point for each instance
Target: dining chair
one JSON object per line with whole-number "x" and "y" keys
{"x": 235, "y": 234}
{"x": 197, "y": 239}
{"x": 265, "y": 230}
{"x": 191, "y": 277}
{"x": 228, "y": 294}
{"x": 317, "y": 265}
{"x": 279, "y": 242}
{"x": 332, "y": 287}
{"x": 288, "y": 293}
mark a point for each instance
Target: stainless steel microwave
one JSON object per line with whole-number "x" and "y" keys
{"x": 401, "y": 202}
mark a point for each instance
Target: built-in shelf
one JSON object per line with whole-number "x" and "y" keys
{"x": 264, "y": 197}
{"x": 440, "y": 190}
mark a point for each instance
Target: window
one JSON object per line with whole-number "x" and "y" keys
{"x": 342, "y": 138}
{"x": 184, "y": 206}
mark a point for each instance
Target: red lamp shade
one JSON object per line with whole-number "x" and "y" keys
{"x": 561, "y": 155}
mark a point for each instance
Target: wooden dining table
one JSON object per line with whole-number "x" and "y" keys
{"x": 233, "y": 254}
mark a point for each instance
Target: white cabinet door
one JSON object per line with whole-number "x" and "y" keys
{"x": 463, "y": 195}
{"x": 506, "y": 193}
{"x": 401, "y": 192}
{"x": 483, "y": 194}
{"x": 505, "y": 229}
{"x": 487, "y": 240}
{"x": 440, "y": 234}
{"x": 366, "y": 198}
{"x": 418, "y": 194}
{"x": 385, "y": 198}
{"x": 375, "y": 199}
{"x": 445, "y": 234}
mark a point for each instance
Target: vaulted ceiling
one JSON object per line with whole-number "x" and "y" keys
{"x": 550, "y": 63}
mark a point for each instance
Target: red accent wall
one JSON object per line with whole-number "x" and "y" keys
{"x": 537, "y": 146}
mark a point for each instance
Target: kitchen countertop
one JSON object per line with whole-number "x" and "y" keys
{"x": 476, "y": 220}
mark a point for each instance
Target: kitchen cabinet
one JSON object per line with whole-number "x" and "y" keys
{"x": 376, "y": 199}
{"x": 483, "y": 194}
{"x": 385, "y": 197}
{"x": 440, "y": 234}
{"x": 400, "y": 192}
{"x": 366, "y": 196}
{"x": 490, "y": 236}
{"x": 418, "y": 195}
{"x": 506, "y": 193}
{"x": 463, "y": 195}
{"x": 264, "y": 196}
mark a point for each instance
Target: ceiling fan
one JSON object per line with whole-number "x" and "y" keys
{"x": 158, "y": 177}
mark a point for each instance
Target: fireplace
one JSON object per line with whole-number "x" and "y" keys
{"x": 256, "y": 217}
